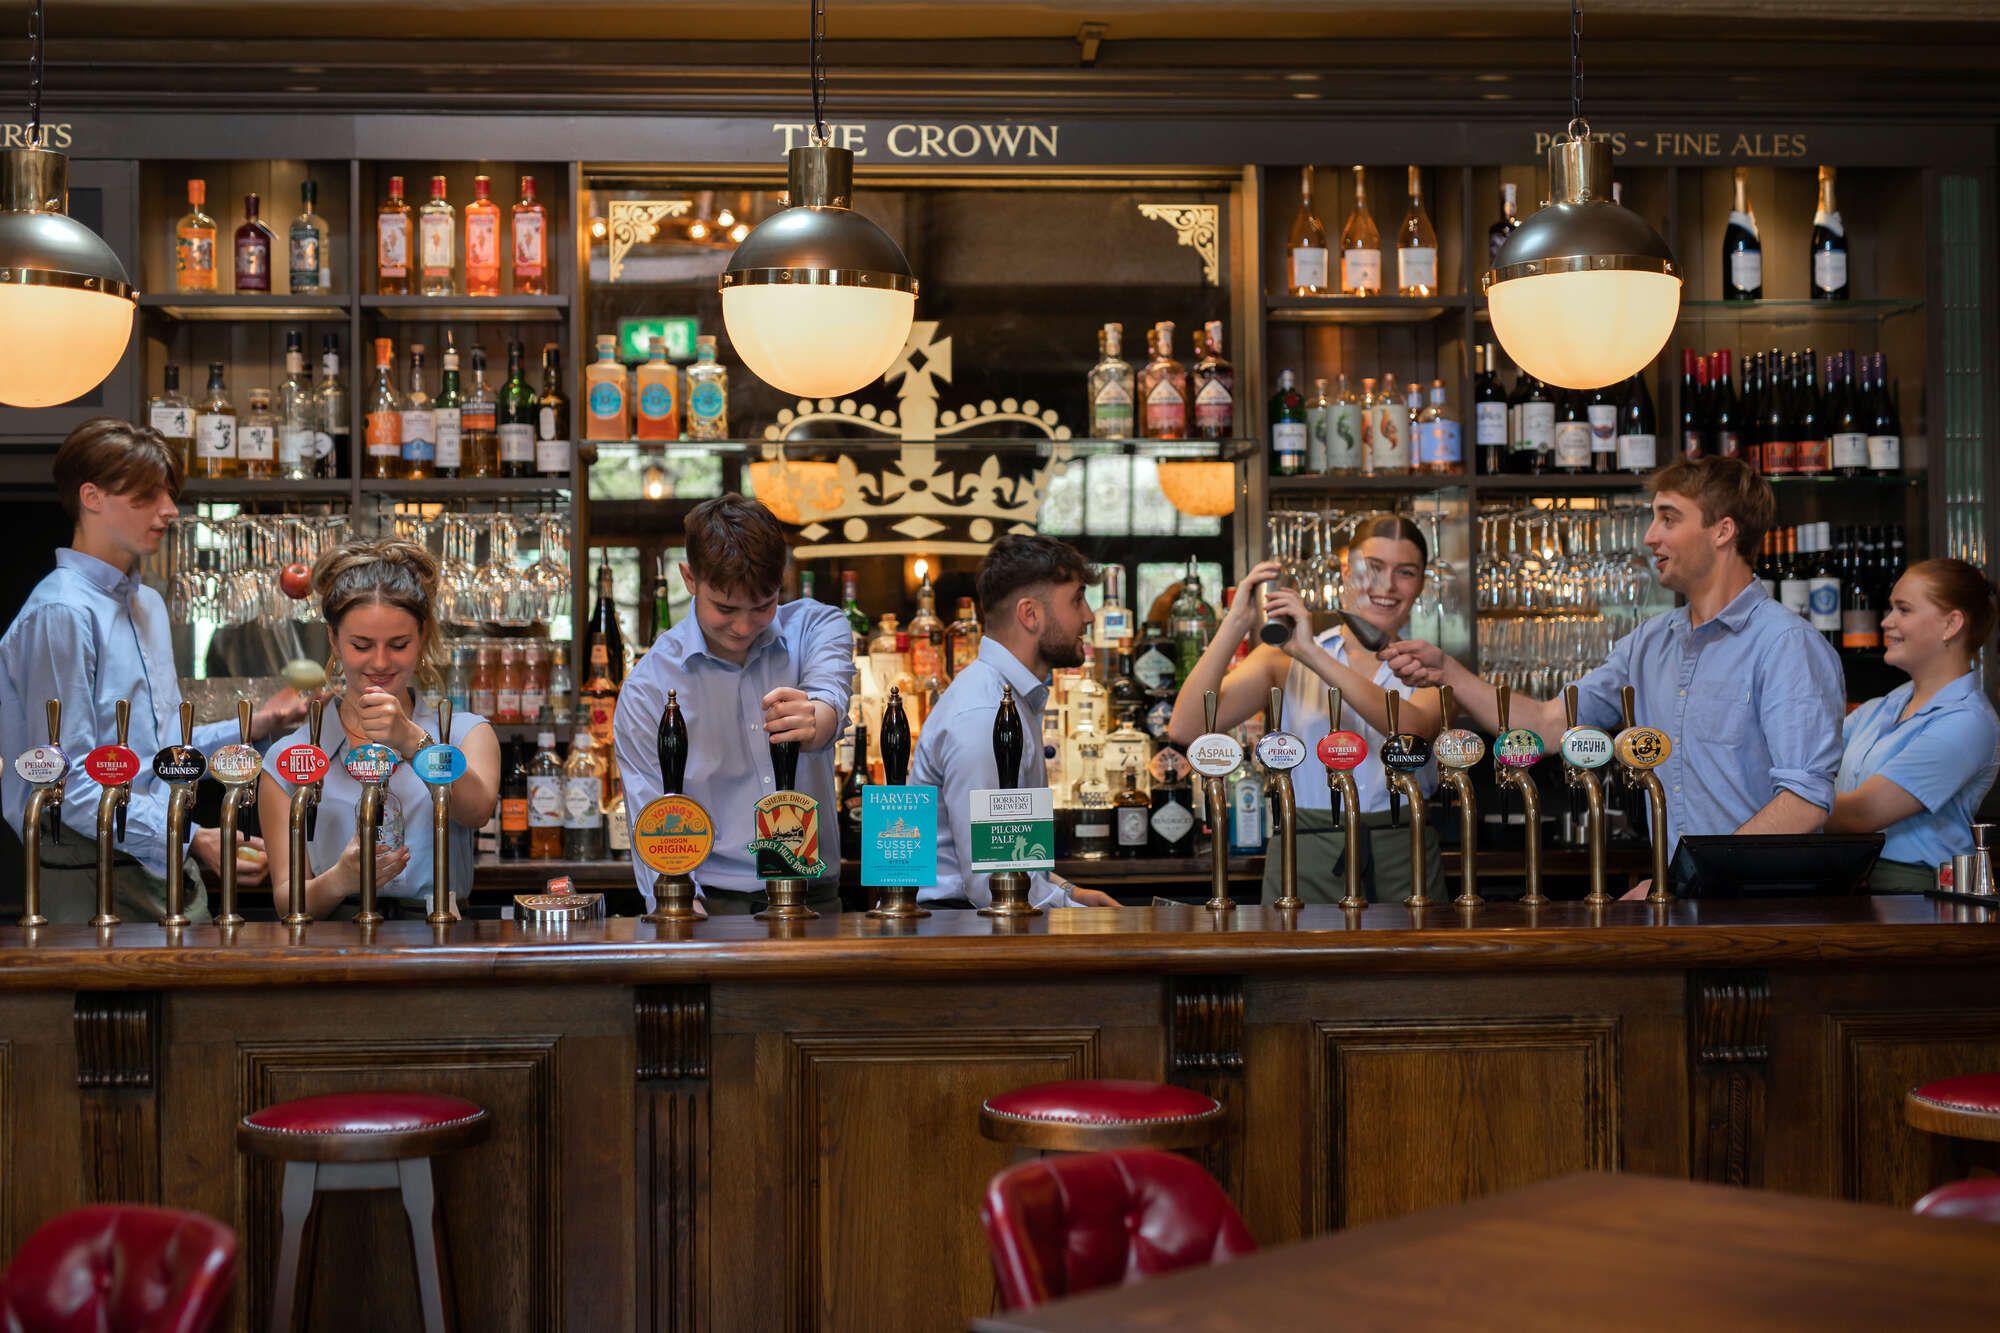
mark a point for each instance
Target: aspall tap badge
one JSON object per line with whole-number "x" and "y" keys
{"x": 1405, "y": 752}
{"x": 41, "y": 765}
{"x": 439, "y": 765}
{"x": 180, "y": 763}
{"x": 111, "y": 765}
{"x": 1280, "y": 751}
{"x": 1342, "y": 750}
{"x": 787, "y": 824}
{"x": 236, "y": 765}
{"x": 369, "y": 762}
{"x": 674, "y": 835}
{"x": 1586, "y": 747}
{"x": 302, "y": 764}
{"x": 1458, "y": 748}
{"x": 1519, "y": 748}
{"x": 1643, "y": 747}
{"x": 1215, "y": 755}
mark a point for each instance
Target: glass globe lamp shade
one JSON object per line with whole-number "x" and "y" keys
{"x": 1201, "y": 488}
{"x": 65, "y": 304}
{"x": 1584, "y": 293}
{"x": 795, "y": 491}
{"x": 818, "y": 300}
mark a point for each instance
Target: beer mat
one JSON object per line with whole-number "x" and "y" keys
{"x": 558, "y": 906}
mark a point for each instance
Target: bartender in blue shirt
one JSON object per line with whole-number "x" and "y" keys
{"x": 1749, "y": 692}
{"x": 91, "y": 634}
{"x": 1920, "y": 759}
{"x": 746, "y": 672}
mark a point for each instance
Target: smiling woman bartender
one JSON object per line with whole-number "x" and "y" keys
{"x": 1385, "y": 572}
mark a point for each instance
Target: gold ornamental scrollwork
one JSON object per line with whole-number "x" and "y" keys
{"x": 635, "y": 222}
{"x": 1197, "y": 226}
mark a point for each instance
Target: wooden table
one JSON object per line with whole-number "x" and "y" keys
{"x": 1585, "y": 1251}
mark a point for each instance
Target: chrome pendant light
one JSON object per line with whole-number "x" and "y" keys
{"x": 1584, "y": 293}
{"x": 818, "y": 300}
{"x": 65, "y": 302}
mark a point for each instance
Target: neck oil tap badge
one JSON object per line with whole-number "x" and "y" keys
{"x": 787, "y": 841}
{"x": 1458, "y": 748}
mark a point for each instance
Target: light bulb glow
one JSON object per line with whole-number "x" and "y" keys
{"x": 697, "y": 230}
{"x": 739, "y": 231}
{"x": 817, "y": 340}
{"x": 58, "y": 343}
{"x": 725, "y": 219}
{"x": 598, "y": 230}
{"x": 653, "y": 483}
{"x": 1585, "y": 329}
{"x": 923, "y": 568}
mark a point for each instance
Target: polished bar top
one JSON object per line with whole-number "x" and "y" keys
{"x": 956, "y": 945}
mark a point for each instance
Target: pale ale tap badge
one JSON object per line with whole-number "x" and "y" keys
{"x": 1013, "y": 827}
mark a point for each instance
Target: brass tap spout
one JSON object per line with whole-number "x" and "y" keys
{"x": 1217, "y": 797}
{"x": 111, "y": 828}
{"x": 1592, "y": 786}
{"x": 1640, "y": 774}
{"x": 44, "y": 804}
{"x": 180, "y": 802}
{"x": 1405, "y": 785}
{"x": 1346, "y": 810}
{"x": 440, "y": 913}
{"x": 236, "y": 796}
{"x": 1521, "y": 781}
{"x": 305, "y": 803}
{"x": 1455, "y": 777}
{"x": 368, "y": 831}
{"x": 1285, "y": 802}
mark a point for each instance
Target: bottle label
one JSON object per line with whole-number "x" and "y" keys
{"x": 322, "y": 443}
{"x": 1850, "y": 450}
{"x": 194, "y": 254}
{"x": 436, "y": 236}
{"x": 214, "y": 435}
{"x": 1166, "y": 409}
{"x": 385, "y": 435}
{"x": 1860, "y": 629}
{"x": 1154, "y": 669}
{"x": 485, "y": 702}
{"x": 1392, "y": 437}
{"x": 1417, "y": 266}
{"x": 1885, "y": 453}
{"x": 1796, "y": 594}
{"x": 528, "y": 244}
{"x": 1309, "y": 267}
{"x": 1729, "y": 443}
{"x": 1288, "y": 442}
{"x": 1780, "y": 457}
{"x": 1746, "y": 270}
{"x": 253, "y": 265}
{"x": 506, "y": 705}
{"x": 656, "y": 401}
{"x": 1692, "y": 444}
{"x": 517, "y": 443}
{"x": 1829, "y": 270}
{"x": 392, "y": 245}
{"x": 1573, "y": 444}
{"x": 1489, "y": 425}
{"x": 1214, "y": 410}
{"x": 1603, "y": 427}
{"x": 1437, "y": 443}
{"x": 606, "y": 401}
{"x": 1132, "y": 818}
{"x": 305, "y": 258}
{"x": 1316, "y": 432}
{"x": 295, "y": 446}
{"x": 1823, "y": 604}
{"x": 482, "y": 241}
{"x": 1343, "y": 438}
{"x": 1111, "y": 412}
{"x": 551, "y": 455}
{"x": 1173, "y": 821}
{"x": 1638, "y": 453}
{"x": 580, "y": 797}
{"x": 1538, "y": 427}
{"x": 419, "y": 435}
{"x": 257, "y": 444}
{"x": 1814, "y": 456}
{"x": 450, "y": 437}
{"x": 1360, "y": 271}
{"x": 513, "y": 814}
{"x": 545, "y": 803}
{"x": 174, "y": 423}
{"x": 533, "y": 700}
{"x": 475, "y": 418}
{"x": 705, "y": 401}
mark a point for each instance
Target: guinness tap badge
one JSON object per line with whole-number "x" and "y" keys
{"x": 180, "y": 763}
{"x": 1459, "y": 748}
{"x": 787, "y": 824}
{"x": 1405, "y": 752}
{"x": 1643, "y": 747}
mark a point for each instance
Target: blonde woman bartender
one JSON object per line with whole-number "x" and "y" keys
{"x": 378, "y": 600}
{"x": 1385, "y": 573}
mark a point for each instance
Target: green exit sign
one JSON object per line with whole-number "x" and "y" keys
{"x": 635, "y": 338}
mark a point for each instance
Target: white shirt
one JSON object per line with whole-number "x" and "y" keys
{"x": 1305, "y": 717}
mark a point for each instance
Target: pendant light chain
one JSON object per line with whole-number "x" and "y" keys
{"x": 1579, "y": 128}
{"x": 35, "y": 75}
{"x": 815, "y": 47}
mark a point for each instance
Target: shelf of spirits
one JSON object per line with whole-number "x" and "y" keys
{"x": 542, "y": 309}
{"x": 1790, "y": 313}
{"x": 216, "y": 306}
{"x": 230, "y": 489}
{"x": 437, "y": 487}
{"x": 1360, "y": 309}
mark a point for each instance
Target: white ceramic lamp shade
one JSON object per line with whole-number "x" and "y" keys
{"x": 65, "y": 305}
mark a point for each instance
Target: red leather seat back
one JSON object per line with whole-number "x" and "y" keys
{"x": 1064, "y": 1225}
{"x": 120, "y": 1267}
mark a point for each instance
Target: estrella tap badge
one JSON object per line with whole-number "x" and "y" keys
{"x": 1519, "y": 748}
{"x": 1215, "y": 755}
{"x": 899, "y": 836}
{"x": 787, "y": 824}
{"x": 1643, "y": 747}
{"x": 674, "y": 835}
{"x": 1586, "y": 747}
{"x": 1459, "y": 748}
{"x": 1342, "y": 750}
{"x": 111, "y": 765}
{"x": 439, "y": 765}
{"x": 1013, "y": 828}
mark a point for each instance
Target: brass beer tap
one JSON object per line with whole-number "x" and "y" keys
{"x": 785, "y": 896}
{"x": 1457, "y": 751}
{"x": 236, "y": 767}
{"x": 1341, "y": 751}
{"x": 1008, "y": 889}
{"x": 1641, "y": 750}
{"x": 439, "y": 766}
{"x": 897, "y": 902}
{"x": 1280, "y": 757}
{"x": 1585, "y": 750}
{"x": 673, "y": 889}
{"x": 46, "y": 769}
{"x": 1404, "y": 755}
{"x": 180, "y": 767}
{"x": 305, "y": 809}
{"x": 111, "y": 821}
{"x": 1215, "y": 757}
{"x": 1515, "y": 753}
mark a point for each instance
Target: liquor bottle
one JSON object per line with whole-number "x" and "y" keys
{"x": 1847, "y": 431}
{"x": 886, "y": 660}
{"x": 1130, "y": 811}
{"x": 257, "y": 439}
{"x": 1390, "y": 453}
{"x": 479, "y": 425}
{"x": 1885, "y": 431}
{"x": 606, "y": 400}
{"x": 1742, "y": 252}
{"x": 597, "y": 697}
{"x": 1725, "y": 410}
{"x": 1343, "y": 436}
{"x": 850, "y": 799}
{"x": 1694, "y": 374}
{"x": 296, "y": 411}
{"x": 507, "y": 691}
{"x": 962, "y": 637}
{"x": 1416, "y": 246}
{"x": 1360, "y": 246}
{"x": 215, "y": 429}
{"x": 1638, "y": 442}
{"x": 531, "y": 242}
{"x": 535, "y": 683}
{"x": 1572, "y": 432}
{"x": 170, "y": 414}
{"x": 1192, "y": 621}
{"x": 1602, "y": 412}
{"x": 437, "y": 234}
{"x": 603, "y": 627}
{"x": 448, "y": 415}
{"x": 485, "y": 687}
{"x": 482, "y": 240}
{"x": 419, "y": 423}
{"x": 515, "y": 419}
{"x": 1288, "y": 429}
{"x": 1124, "y": 695}
{"x": 392, "y": 242}
{"x": 1156, "y": 672}
{"x": 254, "y": 243}
{"x": 1829, "y": 245}
{"x": 1367, "y": 408}
{"x": 383, "y": 443}
{"x": 1775, "y": 438}
{"x": 514, "y": 802}
{"x": 1092, "y": 839}
{"x": 1809, "y": 418}
{"x": 1489, "y": 415}
{"x": 334, "y": 425}
{"x": 194, "y": 243}
{"x": 850, "y": 606}
{"x": 663, "y": 593}
{"x": 1172, "y": 819}
{"x": 1439, "y": 449}
{"x": 1114, "y": 618}
{"x": 1319, "y": 419}
{"x": 583, "y": 801}
{"x": 1538, "y": 426}
{"x": 1305, "y": 250}
{"x": 1163, "y": 389}
{"x": 1247, "y": 812}
{"x": 707, "y": 393}
{"x": 927, "y": 647}
{"x": 545, "y": 800}
{"x": 659, "y": 395}
{"x": 1860, "y": 613}
{"x": 1766, "y": 568}
{"x": 1794, "y": 584}
{"x": 1508, "y": 222}
{"x": 1214, "y": 385}
{"x": 308, "y": 258}
{"x": 562, "y": 690}
{"x": 1823, "y": 594}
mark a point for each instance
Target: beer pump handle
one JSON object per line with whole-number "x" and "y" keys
{"x": 1392, "y": 703}
{"x": 1569, "y": 705}
{"x": 1502, "y": 697}
{"x": 187, "y": 722}
{"x": 1625, "y": 699}
{"x": 1208, "y": 710}
{"x": 671, "y": 742}
{"x": 55, "y": 722}
{"x": 1333, "y": 708}
{"x": 243, "y": 721}
{"x": 123, "y": 709}
{"x": 315, "y": 716}
{"x": 785, "y": 764}
{"x": 1277, "y": 708}
{"x": 1008, "y": 740}
{"x": 444, "y": 720}
{"x": 895, "y": 741}
{"x": 1447, "y": 706}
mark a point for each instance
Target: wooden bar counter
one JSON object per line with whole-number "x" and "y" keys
{"x": 725, "y": 1127}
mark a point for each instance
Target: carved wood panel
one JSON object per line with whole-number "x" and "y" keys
{"x": 1205, "y": 1052}
{"x": 501, "y": 1197}
{"x": 117, "y": 1077}
{"x": 863, "y": 1108}
{"x": 1874, "y": 1060}
{"x": 1729, "y": 1034}
{"x": 671, "y": 1024}
{"x": 1410, "y": 1115}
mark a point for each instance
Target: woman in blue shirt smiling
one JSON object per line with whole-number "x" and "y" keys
{"x": 1919, "y": 760}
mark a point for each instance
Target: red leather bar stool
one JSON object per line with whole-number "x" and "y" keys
{"x": 1095, "y": 1114}
{"x": 122, "y": 1266}
{"x": 1964, "y": 1200}
{"x": 1966, "y": 1107}
{"x": 363, "y": 1141}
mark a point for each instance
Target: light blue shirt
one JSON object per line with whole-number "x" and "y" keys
{"x": 955, "y": 755}
{"x": 90, "y": 635}
{"x": 1305, "y": 717}
{"x": 1752, "y": 701}
{"x": 1945, "y": 754}
{"x": 406, "y": 810}
{"x": 808, "y": 646}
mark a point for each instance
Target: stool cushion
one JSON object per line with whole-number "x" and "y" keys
{"x": 1966, "y": 1200}
{"x": 363, "y": 1126}
{"x": 121, "y": 1266}
{"x": 1102, "y": 1113}
{"x": 1966, "y": 1107}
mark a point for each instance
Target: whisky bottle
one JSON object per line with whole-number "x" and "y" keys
{"x": 254, "y": 243}
{"x": 1214, "y": 381}
{"x": 1416, "y": 246}
{"x": 707, "y": 393}
{"x": 531, "y": 235}
{"x": 1093, "y": 839}
{"x": 332, "y": 432}
{"x": 383, "y": 443}
{"x": 437, "y": 232}
{"x": 392, "y": 242}
{"x": 962, "y": 637}
{"x": 479, "y": 425}
{"x": 215, "y": 430}
{"x": 1163, "y": 389}
{"x": 194, "y": 243}
{"x": 448, "y": 415}
{"x": 1360, "y": 246}
{"x": 482, "y": 240}
{"x": 257, "y": 439}
{"x": 1112, "y": 383}
{"x": 927, "y": 646}
{"x": 1306, "y": 248}
{"x": 605, "y": 397}
{"x": 169, "y": 413}
{"x": 308, "y": 258}
{"x": 297, "y": 456}
{"x": 419, "y": 423}
{"x": 1129, "y": 813}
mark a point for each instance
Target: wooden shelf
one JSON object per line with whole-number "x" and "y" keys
{"x": 248, "y": 306}
{"x": 1797, "y": 312}
{"x": 317, "y": 488}
{"x": 1397, "y": 484}
{"x": 469, "y": 309}
{"x": 1561, "y": 483}
{"x": 1361, "y": 309}
{"x": 444, "y": 487}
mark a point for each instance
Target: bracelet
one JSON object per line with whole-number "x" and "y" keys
{"x": 425, "y": 742}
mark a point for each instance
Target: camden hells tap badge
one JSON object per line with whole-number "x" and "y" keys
{"x": 787, "y": 825}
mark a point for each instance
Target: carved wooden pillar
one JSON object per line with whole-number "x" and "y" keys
{"x": 1729, "y": 1059}
{"x": 673, "y": 1110}
{"x": 1205, "y": 1052}
{"x": 117, "y": 1075}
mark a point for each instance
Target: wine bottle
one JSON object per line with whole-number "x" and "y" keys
{"x": 1885, "y": 433}
{"x": 1360, "y": 246}
{"x": 1572, "y": 432}
{"x": 1847, "y": 431}
{"x": 1742, "y": 252}
{"x": 1416, "y": 246}
{"x": 1775, "y": 430}
{"x": 1809, "y": 415}
{"x": 1694, "y": 440}
{"x": 1538, "y": 426}
{"x": 604, "y": 626}
{"x": 1505, "y": 226}
{"x": 1602, "y": 412}
{"x": 1489, "y": 416}
{"x": 1288, "y": 429}
{"x": 1725, "y": 412}
{"x": 1306, "y": 248}
{"x": 1829, "y": 245}
{"x": 1638, "y": 442}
